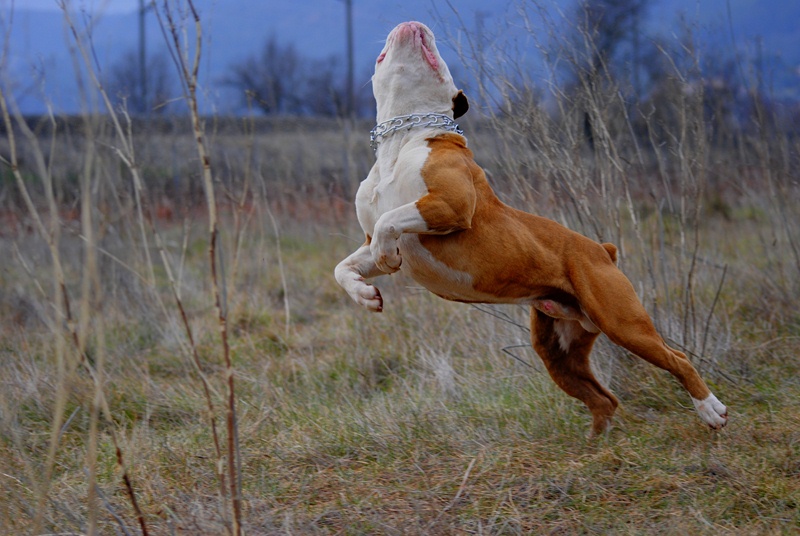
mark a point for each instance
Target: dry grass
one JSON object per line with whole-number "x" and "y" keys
{"x": 430, "y": 418}
{"x": 413, "y": 421}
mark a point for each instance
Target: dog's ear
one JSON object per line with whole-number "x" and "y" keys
{"x": 460, "y": 104}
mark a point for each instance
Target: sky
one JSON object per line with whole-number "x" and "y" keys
{"x": 39, "y": 61}
{"x": 107, "y": 6}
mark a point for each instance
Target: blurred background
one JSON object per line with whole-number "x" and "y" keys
{"x": 290, "y": 58}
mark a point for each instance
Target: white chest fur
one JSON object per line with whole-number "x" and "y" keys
{"x": 395, "y": 180}
{"x": 393, "y": 186}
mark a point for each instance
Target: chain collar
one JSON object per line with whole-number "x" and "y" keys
{"x": 384, "y": 129}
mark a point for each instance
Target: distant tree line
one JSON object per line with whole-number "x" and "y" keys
{"x": 606, "y": 48}
{"x": 278, "y": 80}
{"x": 281, "y": 81}
{"x": 605, "y": 53}
{"x": 125, "y": 84}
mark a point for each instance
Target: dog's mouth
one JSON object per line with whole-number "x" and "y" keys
{"x": 415, "y": 35}
{"x": 427, "y": 53}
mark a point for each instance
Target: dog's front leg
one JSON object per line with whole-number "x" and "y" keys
{"x": 388, "y": 228}
{"x": 351, "y": 273}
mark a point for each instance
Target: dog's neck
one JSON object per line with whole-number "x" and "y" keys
{"x": 385, "y": 129}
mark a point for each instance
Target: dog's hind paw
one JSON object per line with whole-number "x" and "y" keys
{"x": 712, "y": 411}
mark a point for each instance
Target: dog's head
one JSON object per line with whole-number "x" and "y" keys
{"x": 411, "y": 77}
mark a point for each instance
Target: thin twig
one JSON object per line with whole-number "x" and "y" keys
{"x": 506, "y": 350}
{"x": 108, "y": 506}
{"x": 505, "y": 317}
{"x": 189, "y": 76}
{"x": 711, "y": 310}
{"x": 459, "y": 492}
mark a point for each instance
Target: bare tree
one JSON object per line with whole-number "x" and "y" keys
{"x": 324, "y": 89}
{"x": 271, "y": 79}
{"x": 124, "y": 83}
{"x": 280, "y": 80}
{"x": 609, "y": 35}
{"x": 604, "y": 46}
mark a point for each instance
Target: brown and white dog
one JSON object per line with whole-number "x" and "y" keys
{"x": 428, "y": 210}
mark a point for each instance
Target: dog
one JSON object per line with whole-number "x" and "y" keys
{"x": 427, "y": 209}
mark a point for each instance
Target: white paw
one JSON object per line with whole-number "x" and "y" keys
{"x": 712, "y": 411}
{"x": 386, "y": 255}
{"x": 362, "y": 293}
{"x": 370, "y": 297}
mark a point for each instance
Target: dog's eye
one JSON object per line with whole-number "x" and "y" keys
{"x": 380, "y": 58}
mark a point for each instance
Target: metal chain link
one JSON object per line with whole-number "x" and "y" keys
{"x": 385, "y": 128}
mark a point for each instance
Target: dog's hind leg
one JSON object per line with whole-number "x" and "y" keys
{"x": 608, "y": 298}
{"x": 564, "y": 347}
{"x": 351, "y": 273}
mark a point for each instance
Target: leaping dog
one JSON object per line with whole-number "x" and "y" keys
{"x": 428, "y": 210}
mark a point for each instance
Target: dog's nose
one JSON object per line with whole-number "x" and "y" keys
{"x": 407, "y": 29}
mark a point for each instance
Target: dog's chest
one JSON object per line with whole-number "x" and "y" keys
{"x": 391, "y": 184}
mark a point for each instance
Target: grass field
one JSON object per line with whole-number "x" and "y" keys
{"x": 432, "y": 417}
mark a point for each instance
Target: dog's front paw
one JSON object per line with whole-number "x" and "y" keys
{"x": 365, "y": 295}
{"x": 712, "y": 411}
{"x": 386, "y": 256}
{"x": 370, "y": 297}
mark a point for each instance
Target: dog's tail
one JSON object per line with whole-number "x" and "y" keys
{"x": 611, "y": 249}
